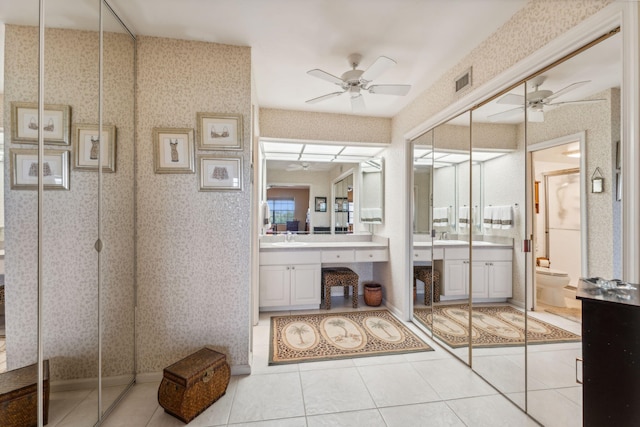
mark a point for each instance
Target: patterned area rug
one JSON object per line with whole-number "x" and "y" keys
{"x": 315, "y": 337}
{"x": 493, "y": 326}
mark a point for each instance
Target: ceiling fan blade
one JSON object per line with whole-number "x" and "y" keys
{"x": 325, "y": 76}
{"x": 582, "y": 101}
{"x": 399, "y": 90}
{"x": 381, "y": 65}
{"x": 511, "y": 99}
{"x": 323, "y": 97}
{"x": 357, "y": 104}
{"x": 505, "y": 115}
{"x": 566, "y": 89}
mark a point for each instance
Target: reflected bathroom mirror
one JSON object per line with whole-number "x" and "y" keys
{"x": 372, "y": 191}
{"x": 315, "y": 168}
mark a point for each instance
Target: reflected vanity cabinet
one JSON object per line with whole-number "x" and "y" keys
{"x": 291, "y": 285}
{"x": 491, "y": 269}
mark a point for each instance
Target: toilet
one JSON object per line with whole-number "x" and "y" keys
{"x": 550, "y": 286}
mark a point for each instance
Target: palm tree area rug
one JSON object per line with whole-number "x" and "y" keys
{"x": 315, "y": 337}
{"x": 492, "y": 326}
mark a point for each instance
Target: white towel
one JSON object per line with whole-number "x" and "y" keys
{"x": 441, "y": 217}
{"x": 266, "y": 216}
{"x": 463, "y": 217}
{"x": 487, "y": 218}
{"x": 506, "y": 217}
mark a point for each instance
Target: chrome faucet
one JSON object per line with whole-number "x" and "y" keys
{"x": 444, "y": 235}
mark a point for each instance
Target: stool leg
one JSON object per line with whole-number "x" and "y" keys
{"x": 436, "y": 288}
{"x": 345, "y": 290}
{"x": 427, "y": 291}
{"x": 327, "y": 297}
{"x": 354, "y": 301}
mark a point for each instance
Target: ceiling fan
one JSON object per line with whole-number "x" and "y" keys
{"x": 355, "y": 81}
{"x": 538, "y": 101}
{"x": 304, "y": 166}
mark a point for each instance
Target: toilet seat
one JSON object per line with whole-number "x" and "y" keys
{"x": 551, "y": 272}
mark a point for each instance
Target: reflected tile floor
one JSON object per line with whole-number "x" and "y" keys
{"x": 398, "y": 390}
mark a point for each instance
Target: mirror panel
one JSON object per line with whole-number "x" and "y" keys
{"x": 117, "y": 211}
{"x": 372, "y": 193}
{"x": 498, "y": 275}
{"x": 343, "y": 205}
{"x": 451, "y": 250}
{"x": 422, "y": 283}
{"x": 587, "y": 122}
{"x": 70, "y": 333}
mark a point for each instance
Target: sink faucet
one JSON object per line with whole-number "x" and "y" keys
{"x": 288, "y": 237}
{"x": 444, "y": 235}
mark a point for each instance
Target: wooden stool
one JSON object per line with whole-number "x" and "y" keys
{"x": 426, "y": 274}
{"x": 339, "y": 276}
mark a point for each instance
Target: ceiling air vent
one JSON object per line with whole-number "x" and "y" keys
{"x": 464, "y": 80}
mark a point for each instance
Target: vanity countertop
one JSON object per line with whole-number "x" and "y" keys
{"x": 625, "y": 293}
{"x": 297, "y": 245}
{"x": 459, "y": 243}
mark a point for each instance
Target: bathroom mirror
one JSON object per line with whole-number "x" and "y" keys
{"x": 343, "y": 205}
{"x": 566, "y": 245}
{"x": 422, "y": 260}
{"x": 451, "y": 253}
{"x": 497, "y": 267}
{"x": 372, "y": 191}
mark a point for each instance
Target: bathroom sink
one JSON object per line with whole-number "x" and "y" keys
{"x": 290, "y": 244}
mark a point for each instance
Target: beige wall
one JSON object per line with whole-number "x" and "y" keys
{"x": 289, "y": 124}
{"x": 193, "y": 247}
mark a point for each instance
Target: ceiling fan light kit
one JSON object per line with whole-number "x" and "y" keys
{"x": 356, "y": 81}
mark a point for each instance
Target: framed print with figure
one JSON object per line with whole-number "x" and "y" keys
{"x": 24, "y": 123}
{"x": 219, "y": 131}
{"x": 321, "y": 204}
{"x": 24, "y": 169}
{"x": 173, "y": 150}
{"x": 217, "y": 173}
{"x": 87, "y": 144}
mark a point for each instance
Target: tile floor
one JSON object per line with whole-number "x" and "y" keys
{"x": 416, "y": 389}
{"x": 430, "y": 389}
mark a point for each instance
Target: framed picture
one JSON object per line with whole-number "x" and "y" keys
{"x": 87, "y": 143}
{"x": 219, "y": 131}
{"x": 173, "y": 150}
{"x": 24, "y": 169}
{"x": 341, "y": 204}
{"x": 24, "y": 123}
{"x": 220, "y": 173}
{"x": 321, "y": 204}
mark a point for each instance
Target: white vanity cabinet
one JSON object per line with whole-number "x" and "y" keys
{"x": 294, "y": 285}
{"x": 491, "y": 269}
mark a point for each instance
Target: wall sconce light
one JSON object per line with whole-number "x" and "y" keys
{"x": 597, "y": 182}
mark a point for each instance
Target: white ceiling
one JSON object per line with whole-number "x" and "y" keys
{"x": 290, "y": 37}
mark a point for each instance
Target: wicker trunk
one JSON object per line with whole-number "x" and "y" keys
{"x": 19, "y": 396}
{"x": 194, "y": 383}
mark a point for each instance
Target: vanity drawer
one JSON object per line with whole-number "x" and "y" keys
{"x": 422, "y": 254}
{"x": 289, "y": 257}
{"x": 372, "y": 255}
{"x": 338, "y": 255}
{"x": 492, "y": 254}
{"x": 456, "y": 253}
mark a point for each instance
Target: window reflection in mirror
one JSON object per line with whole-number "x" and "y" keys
{"x": 372, "y": 194}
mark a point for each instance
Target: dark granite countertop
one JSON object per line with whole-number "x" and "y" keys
{"x": 623, "y": 293}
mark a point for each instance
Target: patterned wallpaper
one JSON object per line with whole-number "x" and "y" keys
{"x": 323, "y": 126}
{"x": 193, "y": 247}
{"x": 70, "y": 263}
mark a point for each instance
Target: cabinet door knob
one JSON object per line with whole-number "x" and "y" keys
{"x": 293, "y": 268}
{"x": 337, "y": 256}
{"x": 288, "y": 268}
{"x": 370, "y": 255}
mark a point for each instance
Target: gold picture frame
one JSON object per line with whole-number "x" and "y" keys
{"x": 220, "y": 173}
{"x": 173, "y": 150}
{"x": 87, "y": 143}
{"x": 219, "y": 131}
{"x": 24, "y": 123}
{"x": 24, "y": 169}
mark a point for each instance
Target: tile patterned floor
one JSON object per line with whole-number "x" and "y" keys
{"x": 417, "y": 389}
